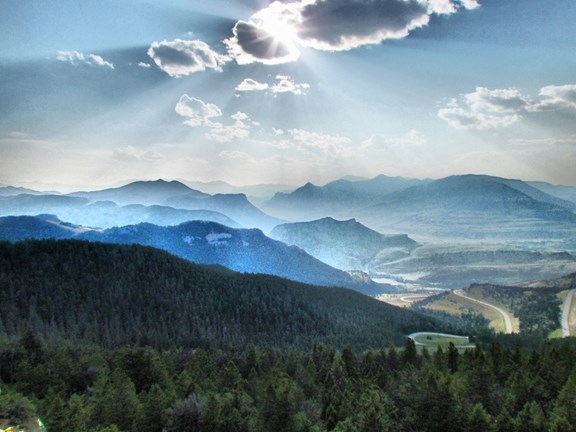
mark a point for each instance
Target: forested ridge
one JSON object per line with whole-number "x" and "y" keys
{"x": 128, "y": 294}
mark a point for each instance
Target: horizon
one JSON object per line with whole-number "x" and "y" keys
{"x": 70, "y": 188}
{"x": 254, "y": 92}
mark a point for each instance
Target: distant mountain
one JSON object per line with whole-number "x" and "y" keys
{"x": 258, "y": 191}
{"x": 337, "y": 199}
{"x": 114, "y": 295}
{"x": 235, "y": 206}
{"x": 567, "y": 193}
{"x": 103, "y": 214}
{"x": 179, "y": 196}
{"x": 537, "y": 193}
{"x": 18, "y": 228}
{"x": 474, "y": 208}
{"x": 347, "y": 245}
{"x": 35, "y": 204}
{"x": 12, "y": 191}
{"x": 202, "y": 242}
{"x": 141, "y": 192}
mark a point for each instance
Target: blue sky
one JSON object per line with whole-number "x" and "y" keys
{"x": 253, "y": 91}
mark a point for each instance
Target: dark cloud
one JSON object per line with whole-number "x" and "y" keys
{"x": 275, "y": 33}
{"x": 252, "y": 43}
{"x": 345, "y": 24}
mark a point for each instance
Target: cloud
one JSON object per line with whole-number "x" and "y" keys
{"x": 235, "y": 155}
{"x": 283, "y": 84}
{"x": 411, "y": 139}
{"x": 316, "y": 145}
{"x": 267, "y": 37}
{"x": 196, "y": 111}
{"x": 286, "y": 84}
{"x": 249, "y": 85}
{"x": 77, "y": 58}
{"x": 557, "y": 97}
{"x": 184, "y": 57}
{"x": 143, "y": 65}
{"x": 276, "y": 33}
{"x": 490, "y": 109}
{"x": 131, "y": 154}
{"x": 240, "y": 129}
{"x": 199, "y": 113}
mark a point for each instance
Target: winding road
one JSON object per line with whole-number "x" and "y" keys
{"x": 566, "y": 313}
{"x": 505, "y": 315}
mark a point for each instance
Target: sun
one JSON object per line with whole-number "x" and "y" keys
{"x": 280, "y": 21}
{"x": 282, "y": 31}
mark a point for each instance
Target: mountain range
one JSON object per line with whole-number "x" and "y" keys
{"x": 476, "y": 208}
{"x": 338, "y": 199}
{"x": 177, "y": 195}
{"x": 160, "y": 202}
{"x": 490, "y": 225}
{"x": 104, "y": 214}
{"x": 202, "y": 242}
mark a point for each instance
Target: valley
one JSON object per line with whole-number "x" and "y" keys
{"x": 389, "y": 234}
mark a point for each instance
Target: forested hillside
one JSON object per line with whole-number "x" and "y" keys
{"x": 135, "y": 389}
{"x": 129, "y": 294}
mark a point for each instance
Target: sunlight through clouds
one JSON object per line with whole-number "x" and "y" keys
{"x": 275, "y": 34}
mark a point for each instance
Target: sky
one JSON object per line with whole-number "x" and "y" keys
{"x": 97, "y": 93}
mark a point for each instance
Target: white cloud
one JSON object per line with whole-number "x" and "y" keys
{"x": 498, "y": 108}
{"x": 240, "y": 129}
{"x": 445, "y": 7}
{"x": 286, "y": 84}
{"x": 131, "y": 154}
{"x": 239, "y": 116}
{"x": 251, "y": 85}
{"x": 184, "y": 57}
{"x": 199, "y": 113}
{"x": 143, "y": 65}
{"x": 276, "y": 33}
{"x": 557, "y": 97}
{"x": 76, "y": 58}
{"x": 283, "y": 84}
{"x": 196, "y": 111}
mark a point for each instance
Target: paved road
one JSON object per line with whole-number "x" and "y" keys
{"x": 413, "y": 298}
{"x": 566, "y": 313}
{"x": 505, "y": 315}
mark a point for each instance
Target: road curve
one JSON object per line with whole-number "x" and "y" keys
{"x": 566, "y": 313}
{"x": 505, "y": 315}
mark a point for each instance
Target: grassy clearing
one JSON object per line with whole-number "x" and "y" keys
{"x": 457, "y": 305}
{"x": 433, "y": 340}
